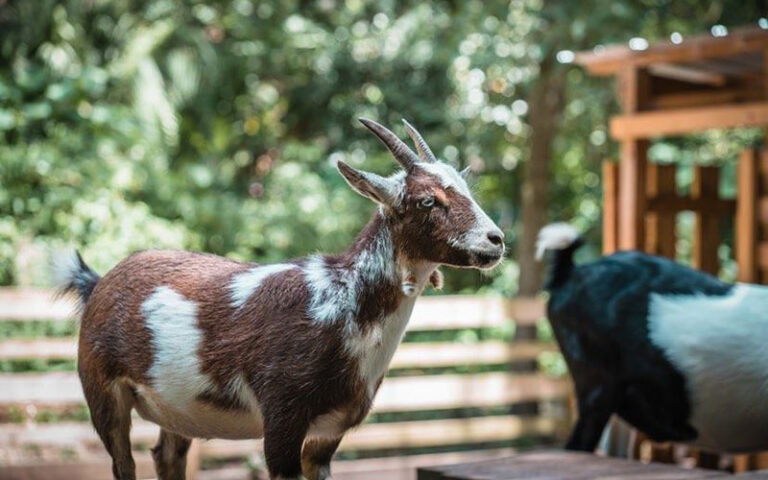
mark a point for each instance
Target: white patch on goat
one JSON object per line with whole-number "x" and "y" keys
{"x": 175, "y": 370}
{"x": 176, "y": 380}
{"x": 245, "y": 284}
{"x": 720, "y": 344}
{"x": 335, "y": 289}
{"x": 555, "y": 236}
{"x": 376, "y": 348}
{"x": 333, "y": 292}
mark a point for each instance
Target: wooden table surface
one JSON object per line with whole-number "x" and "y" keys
{"x": 556, "y": 465}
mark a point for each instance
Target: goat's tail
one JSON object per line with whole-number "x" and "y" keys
{"x": 563, "y": 239}
{"x": 71, "y": 275}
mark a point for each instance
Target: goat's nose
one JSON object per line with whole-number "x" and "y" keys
{"x": 496, "y": 237}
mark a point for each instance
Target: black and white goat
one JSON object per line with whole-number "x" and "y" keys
{"x": 677, "y": 353}
{"x": 292, "y": 352}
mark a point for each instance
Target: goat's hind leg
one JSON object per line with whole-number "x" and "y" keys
{"x": 170, "y": 455}
{"x": 110, "y": 406}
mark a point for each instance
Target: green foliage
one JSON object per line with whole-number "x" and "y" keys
{"x": 214, "y": 126}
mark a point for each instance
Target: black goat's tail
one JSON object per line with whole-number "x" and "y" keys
{"x": 71, "y": 275}
{"x": 563, "y": 239}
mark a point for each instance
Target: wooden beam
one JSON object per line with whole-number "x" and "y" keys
{"x": 688, "y": 74}
{"x": 634, "y": 92}
{"x": 610, "y": 206}
{"x": 706, "y": 231}
{"x": 688, "y": 120}
{"x": 612, "y": 59}
{"x": 660, "y": 225}
{"x": 674, "y": 203}
{"x": 701, "y": 98}
{"x": 746, "y": 216}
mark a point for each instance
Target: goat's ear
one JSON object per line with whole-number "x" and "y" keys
{"x": 466, "y": 174}
{"x": 375, "y": 187}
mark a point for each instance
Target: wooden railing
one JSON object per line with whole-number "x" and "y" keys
{"x": 466, "y": 405}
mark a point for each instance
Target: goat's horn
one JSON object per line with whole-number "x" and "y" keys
{"x": 421, "y": 146}
{"x": 399, "y": 149}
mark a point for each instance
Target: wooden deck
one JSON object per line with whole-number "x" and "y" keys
{"x": 558, "y": 465}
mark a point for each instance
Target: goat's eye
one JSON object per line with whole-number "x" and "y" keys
{"x": 427, "y": 202}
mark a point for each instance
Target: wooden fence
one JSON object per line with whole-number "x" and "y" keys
{"x": 442, "y": 397}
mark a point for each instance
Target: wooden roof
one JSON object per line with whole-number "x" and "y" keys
{"x": 703, "y": 59}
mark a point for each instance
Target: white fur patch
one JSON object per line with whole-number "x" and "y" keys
{"x": 555, "y": 236}
{"x": 335, "y": 290}
{"x": 245, "y": 284}
{"x": 176, "y": 338}
{"x": 376, "y": 348}
{"x": 334, "y": 293}
{"x": 176, "y": 379}
{"x": 720, "y": 344}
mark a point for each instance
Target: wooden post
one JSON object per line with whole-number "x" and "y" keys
{"x": 706, "y": 230}
{"x": 660, "y": 226}
{"x": 634, "y": 85}
{"x": 610, "y": 199}
{"x": 746, "y": 216}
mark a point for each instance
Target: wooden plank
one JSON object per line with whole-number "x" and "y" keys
{"x": 746, "y": 216}
{"x": 458, "y": 391}
{"x": 675, "y": 204}
{"x": 34, "y": 304}
{"x": 551, "y": 465}
{"x": 428, "y": 433}
{"x": 610, "y": 60}
{"x": 706, "y": 231}
{"x": 43, "y": 348}
{"x": 395, "y": 394}
{"x": 68, "y": 435}
{"x": 688, "y": 74}
{"x": 470, "y": 311}
{"x": 610, "y": 206}
{"x": 424, "y": 355}
{"x": 660, "y": 225}
{"x": 688, "y": 120}
{"x": 54, "y": 388}
{"x": 704, "y": 98}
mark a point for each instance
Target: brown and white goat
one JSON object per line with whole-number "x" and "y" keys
{"x": 294, "y": 352}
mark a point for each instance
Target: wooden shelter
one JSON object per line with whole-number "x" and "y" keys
{"x": 677, "y": 88}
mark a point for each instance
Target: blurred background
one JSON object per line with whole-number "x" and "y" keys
{"x": 215, "y": 126}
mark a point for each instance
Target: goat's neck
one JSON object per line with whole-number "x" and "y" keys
{"x": 378, "y": 264}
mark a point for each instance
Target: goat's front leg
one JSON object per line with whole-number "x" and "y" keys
{"x": 316, "y": 457}
{"x": 170, "y": 455}
{"x": 283, "y": 438}
{"x": 595, "y": 409}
